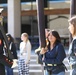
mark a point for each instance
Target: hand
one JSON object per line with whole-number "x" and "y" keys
{"x": 43, "y": 51}
{"x": 46, "y": 48}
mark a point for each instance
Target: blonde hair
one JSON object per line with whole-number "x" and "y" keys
{"x": 25, "y": 35}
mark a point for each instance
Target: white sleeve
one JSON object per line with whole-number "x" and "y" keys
{"x": 28, "y": 51}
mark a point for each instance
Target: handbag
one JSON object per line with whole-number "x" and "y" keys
{"x": 39, "y": 60}
{"x": 56, "y": 69}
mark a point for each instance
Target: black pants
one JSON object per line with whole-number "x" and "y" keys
{"x": 2, "y": 69}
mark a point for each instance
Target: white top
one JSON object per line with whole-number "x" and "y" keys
{"x": 25, "y": 50}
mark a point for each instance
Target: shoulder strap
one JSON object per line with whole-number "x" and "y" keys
{"x": 56, "y": 49}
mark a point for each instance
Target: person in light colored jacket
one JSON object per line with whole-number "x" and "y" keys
{"x": 25, "y": 52}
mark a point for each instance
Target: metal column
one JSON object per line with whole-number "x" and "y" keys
{"x": 41, "y": 22}
{"x": 41, "y": 25}
{"x": 72, "y": 8}
{"x": 45, "y": 6}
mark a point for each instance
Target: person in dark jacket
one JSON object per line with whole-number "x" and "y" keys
{"x": 12, "y": 47}
{"x": 4, "y": 61}
{"x": 72, "y": 47}
{"x": 54, "y": 55}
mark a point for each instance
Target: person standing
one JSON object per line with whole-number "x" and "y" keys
{"x": 72, "y": 47}
{"x": 54, "y": 55}
{"x": 12, "y": 48}
{"x": 24, "y": 58}
{"x": 5, "y": 61}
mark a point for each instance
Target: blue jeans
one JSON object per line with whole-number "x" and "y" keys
{"x": 9, "y": 71}
{"x": 61, "y": 73}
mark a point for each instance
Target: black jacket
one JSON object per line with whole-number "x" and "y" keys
{"x": 3, "y": 59}
{"x": 13, "y": 50}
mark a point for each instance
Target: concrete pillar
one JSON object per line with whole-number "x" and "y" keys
{"x": 14, "y": 18}
{"x": 41, "y": 22}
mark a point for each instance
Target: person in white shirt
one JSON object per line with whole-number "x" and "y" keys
{"x": 25, "y": 52}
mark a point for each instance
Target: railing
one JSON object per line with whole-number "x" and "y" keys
{"x": 65, "y": 40}
{"x": 35, "y": 41}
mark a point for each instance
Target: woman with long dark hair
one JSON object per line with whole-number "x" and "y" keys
{"x": 54, "y": 56}
{"x": 12, "y": 47}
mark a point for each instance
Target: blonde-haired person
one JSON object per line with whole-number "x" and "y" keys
{"x": 25, "y": 52}
{"x": 72, "y": 48}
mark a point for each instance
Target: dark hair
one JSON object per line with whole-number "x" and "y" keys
{"x": 56, "y": 35}
{"x": 11, "y": 38}
{"x": 73, "y": 22}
